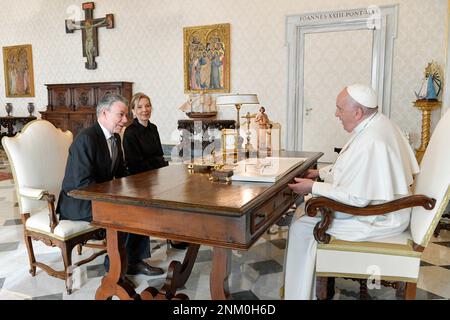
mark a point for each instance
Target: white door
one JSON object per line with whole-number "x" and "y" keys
{"x": 332, "y": 61}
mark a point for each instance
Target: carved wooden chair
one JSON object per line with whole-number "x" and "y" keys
{"x": 394, "y": 260}
{"x": 38, "y": 158}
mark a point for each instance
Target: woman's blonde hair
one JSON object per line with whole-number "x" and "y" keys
{"x": 137, "y": 97}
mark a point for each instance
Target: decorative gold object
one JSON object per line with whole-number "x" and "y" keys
{"x": 426, "y": 106}
{"x": 230, "y": 142}
{"x": 248, "y": 145}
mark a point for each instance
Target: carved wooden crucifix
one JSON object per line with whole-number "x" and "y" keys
{"x": 89, "y": 32}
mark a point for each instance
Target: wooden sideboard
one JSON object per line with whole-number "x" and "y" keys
{"x": 71, "y": 106}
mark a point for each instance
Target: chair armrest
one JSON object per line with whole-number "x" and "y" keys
{"x": 326, "y": 206}
{"x": 51, "y": 211}
{"x": 32, "y": 193}
{"x": 314, "y": 204}
{"x": 41, "y": 194}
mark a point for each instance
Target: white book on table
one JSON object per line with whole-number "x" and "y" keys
{"x": 268, "y": 169}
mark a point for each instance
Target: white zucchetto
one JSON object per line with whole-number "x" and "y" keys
{"x": 363, "y": 94}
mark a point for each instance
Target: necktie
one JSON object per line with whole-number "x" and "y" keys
{"x": 114, "y": 151}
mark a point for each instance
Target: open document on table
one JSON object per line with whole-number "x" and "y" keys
{"x": 268, "y": 169}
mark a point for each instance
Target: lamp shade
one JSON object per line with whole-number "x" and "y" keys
{"x": 234, "y": 99}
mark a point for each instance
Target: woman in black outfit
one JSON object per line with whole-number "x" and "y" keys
{"x": 141, "y": 142}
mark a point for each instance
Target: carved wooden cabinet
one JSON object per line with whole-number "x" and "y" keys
{"x": 72, "y": 106}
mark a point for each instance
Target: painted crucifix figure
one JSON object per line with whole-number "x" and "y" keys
{"x": 89, "y": 32}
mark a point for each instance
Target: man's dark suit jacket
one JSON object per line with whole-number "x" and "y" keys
{"x": 89, "y": 162}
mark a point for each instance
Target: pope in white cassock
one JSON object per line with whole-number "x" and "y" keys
{"x": 376, "y": 165}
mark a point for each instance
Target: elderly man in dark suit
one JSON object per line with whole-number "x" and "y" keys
{"x": 96, "y": 156}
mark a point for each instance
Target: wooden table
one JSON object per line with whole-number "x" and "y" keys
{"x": 176, "y": 204}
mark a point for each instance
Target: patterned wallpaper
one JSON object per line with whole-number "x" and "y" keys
{"x": 146, "y": 47}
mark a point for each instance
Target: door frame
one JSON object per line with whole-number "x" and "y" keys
{"x": 382, "y": 20}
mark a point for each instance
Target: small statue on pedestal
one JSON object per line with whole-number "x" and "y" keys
{"x": 264, "y": 142}
{"x": 431, "y": 84}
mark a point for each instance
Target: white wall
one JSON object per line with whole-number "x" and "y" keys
{"x": 146, "y": 47}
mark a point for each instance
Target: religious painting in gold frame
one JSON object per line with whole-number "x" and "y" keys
{"x": 18, "y": 69}
{"x": 207, "y": 59}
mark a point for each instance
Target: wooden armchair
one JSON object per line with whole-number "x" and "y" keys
{"x": 392, "y": 260}
{"x": 38, "y": 158}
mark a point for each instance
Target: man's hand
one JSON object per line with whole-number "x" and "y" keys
{"x": 302, "y": 186}
{"x": 311, "y": 174}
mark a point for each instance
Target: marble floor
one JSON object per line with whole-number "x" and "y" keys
{"x": 256, "y": 274}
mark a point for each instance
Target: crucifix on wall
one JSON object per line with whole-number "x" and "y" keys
{"x": 89, "y": 32}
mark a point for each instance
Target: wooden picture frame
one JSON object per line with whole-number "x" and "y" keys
{"x": 207, "y": 59}
{"x": 18, "y": 70}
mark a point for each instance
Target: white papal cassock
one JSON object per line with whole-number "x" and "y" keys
{"x": 375, "y": 166}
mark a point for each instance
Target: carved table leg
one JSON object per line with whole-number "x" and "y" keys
{"x": 114, "y": 283}
{"x": 218, "y": 281}
{"x": 321, "y": 288}
{"x": 410, "y": 291}
{"x": 177, "y": 275}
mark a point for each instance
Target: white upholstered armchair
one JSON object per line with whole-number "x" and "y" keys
{"x": 38, "y": 158}
{"x": 396, "y": 259}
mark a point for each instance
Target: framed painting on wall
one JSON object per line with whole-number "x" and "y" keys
{"x": 18, "y": 69}
{"x": 207, "y": 58}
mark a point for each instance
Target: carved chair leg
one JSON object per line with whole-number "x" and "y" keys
{"x": 363, "y": 291}
{"x": 67, "y": 258}
{"x": 31, "y": 257}
{"x": 79, "y": 249}
{"x": 322, "y": 287}
{"x": 401, "y": 290}
{"x": 437, "y": 231}
{"x": 325, "y": 288}
{"x": 331, "y": 288}
{"x": 410, "y": 291}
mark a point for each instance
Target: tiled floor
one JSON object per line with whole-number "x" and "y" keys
{"x": 256, "y": 274}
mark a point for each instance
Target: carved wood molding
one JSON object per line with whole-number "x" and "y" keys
{"x": 45, "y": 239}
